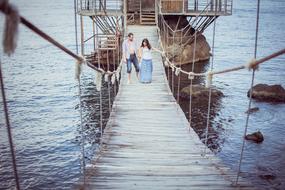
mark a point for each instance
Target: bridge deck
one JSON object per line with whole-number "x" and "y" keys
{"x": 147, "y": 143}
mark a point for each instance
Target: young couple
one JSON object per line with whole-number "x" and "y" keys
{"x": 132, "y": 54}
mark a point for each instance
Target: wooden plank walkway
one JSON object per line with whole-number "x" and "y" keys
{"x": 147, "y": 143}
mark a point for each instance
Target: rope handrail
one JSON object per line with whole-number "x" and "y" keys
{"x": 6, "y": 9}
{"x": 13, "y": 18}
{"x": 253, "y": 64}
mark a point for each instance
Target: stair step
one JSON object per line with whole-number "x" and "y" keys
{"x": 147, "y": 23}
{"x": 143, "y": 13}
{"x": 149, "y": 16}
{"x": 147, "y": 19}
{"x": 148, "y": 11}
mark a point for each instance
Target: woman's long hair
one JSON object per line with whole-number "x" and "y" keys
{"x": 147, "y": 43}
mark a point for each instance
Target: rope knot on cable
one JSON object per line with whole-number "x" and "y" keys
{"x": 209, "y": 79}
{"x": 12, "y": 20}
{"x": 78, "y": 66}
{"x": 191, "y": 75}
{"x": 252, "y": 65}
{"x": 177, "y": 71}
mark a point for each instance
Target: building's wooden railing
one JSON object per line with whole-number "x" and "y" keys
{"x": 100, "y": 5}
{"x": 169, "y": 7}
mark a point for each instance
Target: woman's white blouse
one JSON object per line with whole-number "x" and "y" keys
{"x": 146, "y": 53}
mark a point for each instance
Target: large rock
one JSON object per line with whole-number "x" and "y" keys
{"x": 199, "y": 92}
{"x": 271, "y": 93}
{"x": 183, "y": 54}
{"x": 255, "y": 137}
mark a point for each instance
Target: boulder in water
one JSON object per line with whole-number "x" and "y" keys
{"x": 252, "y": 110}
{"x": 271, "y": 93}
{"x": 256, "y": 137}
{"x": 199, "y": 92}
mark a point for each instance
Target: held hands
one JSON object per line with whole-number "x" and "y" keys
{"x": 157, "y": 50}
{"x": 124, "y": 60}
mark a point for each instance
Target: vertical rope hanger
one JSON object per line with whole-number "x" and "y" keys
{"x": 108, "y": 81}
{"x": 9, "y": 130}
{"x": 172, "y": 73}
{"x": 251, "y": 86}
{"x": 165, "y": 34}
{"x": 167, "y": 52}
{"x": 82, "y": 143}
{"x": 100, "y": 91}
{"x": 210, "y": 88}
{"x": 114, "y": 51}
{"x": 12, "y": 19}
{"x": 191, "y": 78}
{"x": 100, "y": 97}
{"x": 179, "y": 76}
{"x": 114, "y": 65}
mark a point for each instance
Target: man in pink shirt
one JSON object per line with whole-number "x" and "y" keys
{"x": 130, "y": 49}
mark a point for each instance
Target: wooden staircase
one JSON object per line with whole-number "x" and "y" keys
{"x": 147, "y": 18}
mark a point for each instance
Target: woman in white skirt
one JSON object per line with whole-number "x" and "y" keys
{"x": 146, "y": 66}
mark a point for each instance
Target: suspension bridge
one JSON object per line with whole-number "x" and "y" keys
{"x": 147, "y": 142}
